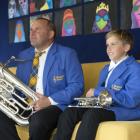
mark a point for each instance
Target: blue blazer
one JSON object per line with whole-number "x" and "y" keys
{"x": 62, "y": 77}
{"x": 124, "y": 86}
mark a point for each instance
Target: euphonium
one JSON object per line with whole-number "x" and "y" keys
{"x": 102, "y": 101}
{"x": 12, "y": 103}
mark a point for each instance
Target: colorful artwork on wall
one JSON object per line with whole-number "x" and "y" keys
{"x": 17, "y": 8}
{"x": 102, "y": 22}
{"x": 68, "y": 25}
{"x": 71, "y": 17}
{"x": 135, "y": 14}
{"x": 65, "y": 3}
{"x": 12, "y": 9}
{"x": 40, "y": 5}
{"x": 88, "y": 0}
{"x": 104, "y": 16}
{"x": 69, "y": 21}
{"x": 18, "y": 30}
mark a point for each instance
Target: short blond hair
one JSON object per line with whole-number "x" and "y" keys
{"x": 123, "y": 35}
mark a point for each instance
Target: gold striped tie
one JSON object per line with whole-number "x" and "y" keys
{"x": 33, "y": 75}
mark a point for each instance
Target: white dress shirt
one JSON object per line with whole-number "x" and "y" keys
{"x": 39, "y": 85}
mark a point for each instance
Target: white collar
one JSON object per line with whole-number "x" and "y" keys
{"x": 45, "y": 50}
{"x": 113, "y": 64}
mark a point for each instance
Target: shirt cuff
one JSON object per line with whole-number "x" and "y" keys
{"x": 52, "y": 101}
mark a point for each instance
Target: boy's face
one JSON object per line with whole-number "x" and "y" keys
{"x": 116, "y": 49}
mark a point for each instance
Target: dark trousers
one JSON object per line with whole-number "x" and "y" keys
{"x": 41, "y": 124}
{"x": 90, "y": 119}
{"x": 7, "y": 128}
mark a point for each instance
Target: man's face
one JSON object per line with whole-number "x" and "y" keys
{"x": 116, "y": 49}
{"x": 39, "y": 34}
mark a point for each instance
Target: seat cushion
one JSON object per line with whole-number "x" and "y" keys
{"x": 23, "y": 132}
{"x": 116, "y": 130}
{"x": 119, "y": 130}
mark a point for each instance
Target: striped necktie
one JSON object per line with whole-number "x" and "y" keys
{"x": 34, "y": 72}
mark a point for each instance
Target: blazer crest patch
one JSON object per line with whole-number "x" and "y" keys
{"x": 116, "y": 87}
{"x": 58, "y": 78}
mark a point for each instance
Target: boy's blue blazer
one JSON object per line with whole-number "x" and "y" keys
{"x": 62, "y": 76}
{"x": 124, "y": 86}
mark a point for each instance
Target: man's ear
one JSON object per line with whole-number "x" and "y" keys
{"x": 51, "y": 34}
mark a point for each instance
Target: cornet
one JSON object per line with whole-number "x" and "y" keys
{"x": 12, "y": 104}
{"x": 104, "y": 100}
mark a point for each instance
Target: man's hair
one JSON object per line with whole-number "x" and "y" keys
{"x": 50, "y": 24}
{"x": 124, "y": 35}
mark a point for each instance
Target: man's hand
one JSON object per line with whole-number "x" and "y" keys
{"x": 90, "y": 92}
{"x": 41, "y": 103}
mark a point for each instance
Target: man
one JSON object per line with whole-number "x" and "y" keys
{"x": 120, "y": 79}
{"x": 59, "y": 80}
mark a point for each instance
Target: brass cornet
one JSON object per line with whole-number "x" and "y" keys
{"x": 104, "y": 100}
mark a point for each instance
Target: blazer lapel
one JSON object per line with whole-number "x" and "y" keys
{"x": 48, "y": 64}
{"x": 119, "y": 70}
{"x": 103, "y": 76}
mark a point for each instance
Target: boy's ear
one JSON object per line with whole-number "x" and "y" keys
{"x": 127, "y": 47}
